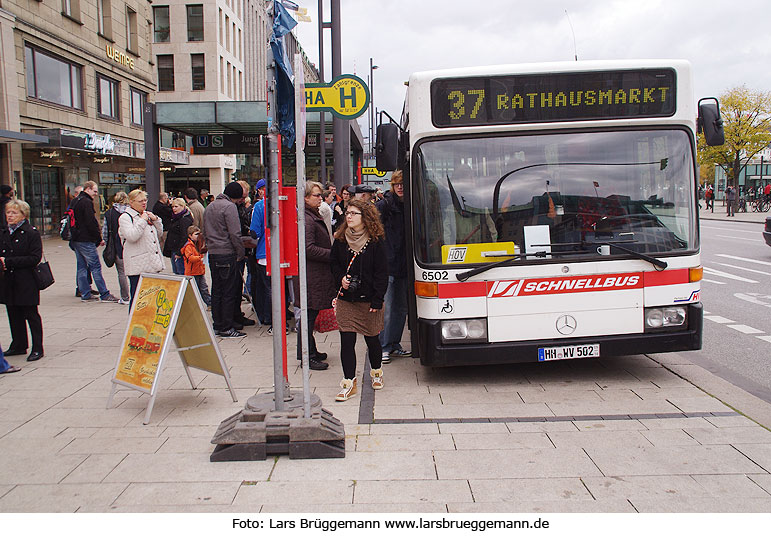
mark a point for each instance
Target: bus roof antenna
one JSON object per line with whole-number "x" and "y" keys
{"x": 575, "y": 51}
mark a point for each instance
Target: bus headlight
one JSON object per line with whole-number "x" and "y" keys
{"x": 661, "y": 317}
{"x": 472, "y": 330}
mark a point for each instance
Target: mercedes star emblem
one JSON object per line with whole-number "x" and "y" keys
{"x": 566, "y": 324}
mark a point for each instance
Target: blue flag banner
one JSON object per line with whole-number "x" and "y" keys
{"x": 283, "y": 23}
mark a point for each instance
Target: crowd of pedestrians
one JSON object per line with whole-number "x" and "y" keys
{"x": 355, "y": 248}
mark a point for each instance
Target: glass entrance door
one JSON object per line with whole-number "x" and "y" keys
{"x": 41, "y": 191}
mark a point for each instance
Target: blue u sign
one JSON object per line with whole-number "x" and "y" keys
{"x": 202, "y": 141}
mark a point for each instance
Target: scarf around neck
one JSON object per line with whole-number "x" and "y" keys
{"x": 356, "y": 240}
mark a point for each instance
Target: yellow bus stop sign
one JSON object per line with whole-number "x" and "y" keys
{"x": 346, "y": 97}
{"x": 372, "y": 171}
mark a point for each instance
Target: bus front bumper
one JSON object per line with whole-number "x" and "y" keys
{"x": 435, "y": 354}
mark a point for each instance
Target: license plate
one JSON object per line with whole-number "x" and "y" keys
{"x": 569, "y": 352}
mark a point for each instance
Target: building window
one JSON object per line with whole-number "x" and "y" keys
{"x": 138, "y": 100}
{"x": 199, "y": 76}
{"x": 108, "y": 97}
{"x": 195, "y": 23}
{"x": 104, "y": 18}
{"x": 161, "y": 27}
{"x": 53, "y": 79}
{"x": 71, "y": 8}
{"x": 165, "y": 72}
{"x": 132, "y": 31}
{"x": 229, "y": 90}
{"x": 227, "y": 32}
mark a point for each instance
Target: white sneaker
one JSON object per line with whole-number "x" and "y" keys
{"x": 386, "y": 358}
{"x": 348, "y": 390}
{"x": 377, "y": 378}
{"x": 124, "y": 301}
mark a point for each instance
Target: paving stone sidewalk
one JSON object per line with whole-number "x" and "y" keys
{"x": 633, "y": 434}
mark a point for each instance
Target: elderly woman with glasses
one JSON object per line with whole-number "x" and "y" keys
{"x": 360, "y": 270}
{"x": 21, "y": 249}
{"x": 140, "y": 232}
{"x": 321, "y": 289}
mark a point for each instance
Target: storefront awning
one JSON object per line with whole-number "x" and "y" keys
{"x": 8, "y": 136}
{"x": 245, "y": 118}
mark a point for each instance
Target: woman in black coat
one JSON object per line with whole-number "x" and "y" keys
{"x": 360, "y": 270}
{"x": 318, "y": 248}
{"x": 176, "y": 236}
{"x": 21, "y": 249}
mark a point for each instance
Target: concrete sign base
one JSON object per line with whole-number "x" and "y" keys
{"x": 258, "y": 431}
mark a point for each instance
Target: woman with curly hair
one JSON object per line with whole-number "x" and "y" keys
{"x": 360, "y": 267}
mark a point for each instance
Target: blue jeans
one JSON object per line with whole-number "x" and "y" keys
{"x": 88, "y": 261}
{"x": 203, "y": 289}
{"x": 395, "y": 315}
{"x": 177, "y": 264}
{"x": 4, "y": 365}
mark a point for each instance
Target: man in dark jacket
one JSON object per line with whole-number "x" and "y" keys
{"x": 162, "y": 209}
{"x": 391, "y": 209}
{"x": 223, "y": 238}
{"x": 86, "y": 236}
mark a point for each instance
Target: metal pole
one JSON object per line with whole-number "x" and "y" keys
{"x": 340, "y": 132}
{"x": 274, "y": 220}
{"x": 303, "y": 269}
{"x": 322, "y": 122}
{"x": 372, "y": 69}
{"x": 152, "y": 153}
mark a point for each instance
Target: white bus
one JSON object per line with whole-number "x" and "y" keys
{"x": 551, "y": 210}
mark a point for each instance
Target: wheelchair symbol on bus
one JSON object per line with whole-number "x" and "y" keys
{"x": 448, "y": 307}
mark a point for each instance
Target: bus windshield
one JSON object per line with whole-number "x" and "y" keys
{"x": 562, "y": 193}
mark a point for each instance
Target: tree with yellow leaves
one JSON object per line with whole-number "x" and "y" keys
{"x": 747, "y": 122}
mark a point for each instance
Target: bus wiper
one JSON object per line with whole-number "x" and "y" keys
{"x": 468, "y": 274}
{"x": 619, "y": 246}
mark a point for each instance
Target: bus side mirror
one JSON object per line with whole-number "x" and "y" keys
{"x": 710, "y": 122}
{"x": 387, "y": 147}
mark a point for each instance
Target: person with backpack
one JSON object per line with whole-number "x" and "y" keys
{"x": 85, "y": 237}
{"x": 114, "y": 244}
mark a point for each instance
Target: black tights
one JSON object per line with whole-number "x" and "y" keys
{"x": 348, "y": 352}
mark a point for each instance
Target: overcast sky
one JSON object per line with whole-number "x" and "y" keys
{"x": 726, "y": 49}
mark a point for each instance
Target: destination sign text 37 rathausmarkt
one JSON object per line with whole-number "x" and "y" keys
{"x": 513, "y": 99}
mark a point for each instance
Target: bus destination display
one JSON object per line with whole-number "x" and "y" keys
{"x": 513, "y": 99}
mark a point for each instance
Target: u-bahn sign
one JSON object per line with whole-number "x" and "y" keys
{"x": 346, "y": 97}
{"x": 227, "y": 144}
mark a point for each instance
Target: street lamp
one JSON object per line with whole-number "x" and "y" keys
{"x": 372, "y": 68}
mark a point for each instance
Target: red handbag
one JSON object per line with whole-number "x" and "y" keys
{"x": 326, "y": 321}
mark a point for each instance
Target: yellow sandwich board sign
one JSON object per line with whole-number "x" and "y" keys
{"x": 346, "y": 97}
{"x": 166, "y": 307}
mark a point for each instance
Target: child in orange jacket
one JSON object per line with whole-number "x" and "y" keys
{"x": 193, "y": 258}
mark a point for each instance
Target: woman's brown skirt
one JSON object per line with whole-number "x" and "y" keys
{"x": 357, "y": 318}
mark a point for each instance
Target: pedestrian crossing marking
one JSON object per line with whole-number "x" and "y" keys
{"x": 744, "y": 259}
{"x": 766, "y": 338}
{"x": 745, "y": 269}
{"x": 725, "y": 275}
{"x": 745, "y": 329}
{"x": 719, "y": 320}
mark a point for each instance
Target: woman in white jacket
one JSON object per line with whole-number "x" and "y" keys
{"x": 140, "y": 232}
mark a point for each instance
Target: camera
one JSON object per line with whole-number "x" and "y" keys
{"x": 354, "y": 284}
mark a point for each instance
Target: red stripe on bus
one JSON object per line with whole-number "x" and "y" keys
{"x": 462, "y": 289}
{"x": 665, "y": 278}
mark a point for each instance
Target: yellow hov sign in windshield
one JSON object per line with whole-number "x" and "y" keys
{"x": 346, "y": 97}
